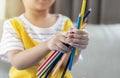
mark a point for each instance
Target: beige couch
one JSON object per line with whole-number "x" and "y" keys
{"x": 100, "y": 59}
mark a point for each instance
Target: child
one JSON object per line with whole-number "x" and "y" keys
{"x": 28, "y": 40}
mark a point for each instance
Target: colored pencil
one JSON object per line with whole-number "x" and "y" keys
{"x": 64, "y": 72}
{"x": 59, "y": 65}
{"x": 44, "y": 65}
{"x": 53, "y": 65}
{"x": 41, "y": 68}
{"x": 87, "y": 13}
{"x": 72, "y": 58}
{"x": 83, "y": 12}
{"x": 48, "y": 66}
{"x": 51, "y": 62}
{"x": 46, "y": 60}
{"x": 79, "y": 25}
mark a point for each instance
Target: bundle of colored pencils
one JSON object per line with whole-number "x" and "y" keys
{"x": 57, "y": 58}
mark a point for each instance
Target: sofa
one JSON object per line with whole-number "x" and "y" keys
{"x": 101, "y": 59}
{"x": 4, "y": 66}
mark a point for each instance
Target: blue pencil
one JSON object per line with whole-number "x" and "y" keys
{"x": 78, "y": 24}
{"x": 78, "y": 27}
{"x": 72, "y": 58}
{"x": 74, "y": 49}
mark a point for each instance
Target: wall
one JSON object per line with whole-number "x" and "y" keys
{"x": 13, "y": 8}
{"x": 2, "y": 9}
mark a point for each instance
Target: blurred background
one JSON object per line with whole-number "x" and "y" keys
{"x": 103, "y": 11}
{"x": 102, "y": 57}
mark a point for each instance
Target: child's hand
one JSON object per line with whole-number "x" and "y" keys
{"x": 77, "y": 38}
{"x": 57, "y": 43}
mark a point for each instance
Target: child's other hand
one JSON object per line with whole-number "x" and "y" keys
{"x": 77, "y": 38}
{"x": 57, "y": 43}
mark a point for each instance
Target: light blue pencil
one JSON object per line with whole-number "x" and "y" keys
{"x": 74, "y": 49}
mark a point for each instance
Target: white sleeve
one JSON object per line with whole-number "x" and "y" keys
{"x": 9, "y": 40}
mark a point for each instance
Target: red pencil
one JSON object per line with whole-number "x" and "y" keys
{"x": 47, "y": 62}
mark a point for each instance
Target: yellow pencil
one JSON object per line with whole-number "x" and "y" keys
{"x": 83, "y": 12}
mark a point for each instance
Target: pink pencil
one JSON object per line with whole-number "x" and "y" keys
{"x": 46, "y": 60}
{"x": 46, "y": 63}
{"x": 59, "y": 64}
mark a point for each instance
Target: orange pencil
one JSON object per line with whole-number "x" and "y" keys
{"x": 59, "y": 64}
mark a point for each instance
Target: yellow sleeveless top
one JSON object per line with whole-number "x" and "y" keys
{"x": 29, "y": 43}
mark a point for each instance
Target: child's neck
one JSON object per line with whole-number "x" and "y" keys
{"x": 36, "y": 15}
{"x": 40, "y": 18}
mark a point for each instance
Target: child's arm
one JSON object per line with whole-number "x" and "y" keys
{"x": 24, "y": 59}
{"x": 28, "y": 58}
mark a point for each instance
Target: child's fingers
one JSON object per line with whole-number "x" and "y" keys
{"x": 78, "y": 46}
{"x": 70, "y": 30}
{"x": 61, "y": 46}
{"x": 64, "y": 34}
{"x": 76, "y": 31}
{"x": 62, "y": 37}
{"x": 78, "y": 41}
{"x": 83, "y": 37}
{"x": 58, "y": 49}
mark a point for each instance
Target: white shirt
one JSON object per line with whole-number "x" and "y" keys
{"x": 11, "y": 41}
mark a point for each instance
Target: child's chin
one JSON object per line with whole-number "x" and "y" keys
{"x": 42, "y": 8}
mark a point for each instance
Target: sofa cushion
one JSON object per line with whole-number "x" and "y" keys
{"x": 101, "y": 58}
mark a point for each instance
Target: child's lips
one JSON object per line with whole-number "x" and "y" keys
{"x": 43, "y": 1}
